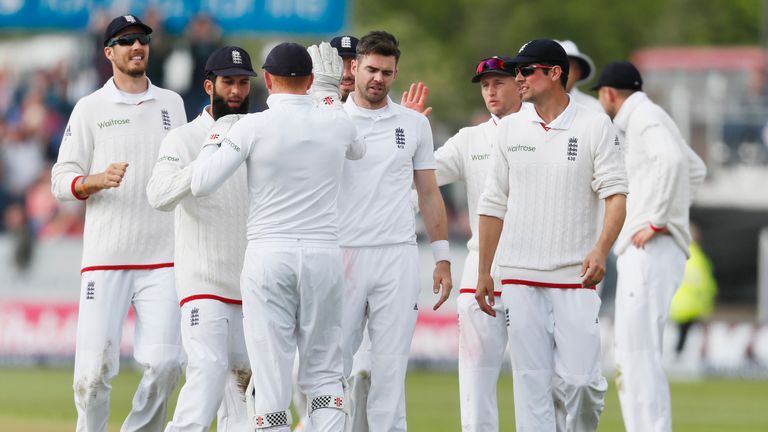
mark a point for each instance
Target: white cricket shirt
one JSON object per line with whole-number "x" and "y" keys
{"x": 546, "y": 182}
{"x": 466, "y": 157}
{"x": 122, "y": 231}
{"x": 210, "y": 231}
{"x": 588, "y": 101}
{"x": 375, "y": 202}
{"x": 662, "y": 168}
{"x": 294, "y": 153}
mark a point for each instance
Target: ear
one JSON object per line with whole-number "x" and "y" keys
{"x": 555, "y": 73}
{"x": 209, "y": 87}
{"x": 353, "y": 67}
{"x": 394, "y": 75}
{"x": 108, "y": 52}
{"x": 613, "y": 95}
{"x": 310, "y": 81}
{"x": 268, "y": 81}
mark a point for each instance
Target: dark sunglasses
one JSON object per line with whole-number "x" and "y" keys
{"x": 529, "y": 70}
{"x": 491, "y": 64}
{"x": 129, "y": 39}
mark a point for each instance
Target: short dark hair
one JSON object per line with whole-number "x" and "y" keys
{"x": 563, "y": 74}
{"x": 210, "y": 76}
{"x": 379, "y": 42}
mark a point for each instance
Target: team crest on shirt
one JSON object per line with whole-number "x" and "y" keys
{"x": 400, "y": 138}
{"x": 166, "y": 118}
{"x": 90, "y": 290}
{"x": 573, "y": 147}
{"x": 194, "y": 317}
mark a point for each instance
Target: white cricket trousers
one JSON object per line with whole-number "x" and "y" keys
{"x": 482, "y": 341}
{"x": 648, "y": 279}
{"x": 358, "y": 386}
{"x": 381, "y": 289}
{"x": 217, "y": 362}
{"x": 554, "y": 339}
{"x": 292, "y": 297}
{"x": 105, "y": 296}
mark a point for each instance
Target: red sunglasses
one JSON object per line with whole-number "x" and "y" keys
{"x": 492, "y": 64}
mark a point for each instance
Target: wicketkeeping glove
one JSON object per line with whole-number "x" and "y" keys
{"x": 219, "y": 130}
{"x": 328, "y": 67}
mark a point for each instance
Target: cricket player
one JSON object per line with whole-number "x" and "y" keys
{"x": 467, "y": 157}
{"x": 292, "y": 275}
{"x": 377, "y": 228}
{"x": 652, "y": 248}
{"x": 346, "y": 46}
{"x": 359, "y": 380}
{"x": 553, "y": 162}
{"x": 581, "y": 70}
{"x": 210, "y": 246}
{"x": 106, "y": 157}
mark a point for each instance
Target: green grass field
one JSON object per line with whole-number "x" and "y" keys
{"x": 40, "y": 400}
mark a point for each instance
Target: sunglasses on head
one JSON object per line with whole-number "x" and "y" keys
{"x": 129, "y": 39}
{"x": 529, "y": 70}
{"x": 490, "y": 64}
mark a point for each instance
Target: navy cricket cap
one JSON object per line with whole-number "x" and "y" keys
{"x": 542, "y": 51}
{"x": 620, "y": 75}
{"x": 229, "y": 61}
{"x": 118, "y": 24}
{"x": 288, "y": 59}
{"x": 501, "y": 65}
{"x": 345, "y": 45}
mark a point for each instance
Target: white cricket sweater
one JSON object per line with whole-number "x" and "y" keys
{"x": 294, "y": 153}
{"x": 588, "y": 101}
{"x": 122, "y": 231}
{"x": 375, "y": 202}
{"x": 210, "y": 231}
{"x": 545, "y": 183}
{"x": 662, "y": 168}
{"x": 466, "y": 157}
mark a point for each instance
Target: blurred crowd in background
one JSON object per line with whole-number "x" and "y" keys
{"x": 35, "y": 107}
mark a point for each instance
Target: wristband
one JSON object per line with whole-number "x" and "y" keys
{"x": 441, "y": 251}
{"x": 656, "y": 229}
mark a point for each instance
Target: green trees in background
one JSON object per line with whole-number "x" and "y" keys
{"x": 442, "y": 40}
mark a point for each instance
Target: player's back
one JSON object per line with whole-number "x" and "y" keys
{"x": 294, "y": 170}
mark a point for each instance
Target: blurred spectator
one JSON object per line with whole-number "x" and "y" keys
{"x": 96, "y": 27}
{"x": 161, "y": 47}
{"x": 47, "y": 217}
{"x": 695, "y": 298}
{"x": 22, "y": 157}
{"x": 204, "y": 38}
{"x": 15, "y": 220}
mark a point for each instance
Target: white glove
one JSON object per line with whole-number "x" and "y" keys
{"x": 328, "y": 67}
{"x": 220, "y": 129}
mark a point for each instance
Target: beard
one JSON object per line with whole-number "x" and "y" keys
{"x": 371, "y": 98}
{"x": 219, "y": 107}
{"x": 131, "y": 72}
